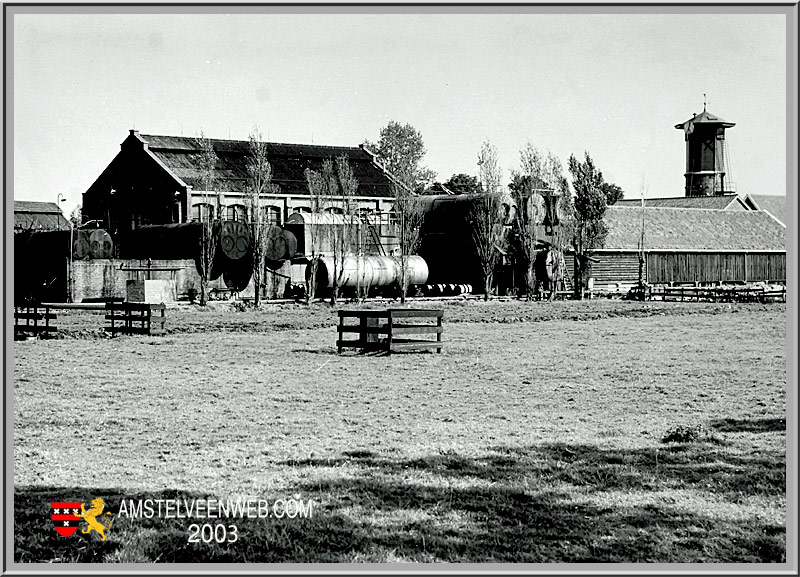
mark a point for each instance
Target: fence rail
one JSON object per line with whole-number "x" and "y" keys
{"x": 33, "y": 319}
{"x": 713, "y": 294}
{"x": 135, "y": 318}
{"x": 381, "y": 330}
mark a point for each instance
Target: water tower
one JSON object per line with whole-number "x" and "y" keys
{"x": 706, "y": 156}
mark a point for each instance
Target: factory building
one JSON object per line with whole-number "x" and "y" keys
{"x": 159, "y": 180}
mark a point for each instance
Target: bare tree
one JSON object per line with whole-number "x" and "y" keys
{"x": 344, "y": 235}
{"x": 319, "y": 190}
{"x": 409, "y": 214}
{"x": 259, "y": 182}
{"x": 526, "y": 191}
{"x": 558, "y": 231}
{"x": 485, "y": 216}
{"x": 641, "y": 245}
{"x": 208, "y": 218}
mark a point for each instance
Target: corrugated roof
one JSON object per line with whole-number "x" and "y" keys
{"x": 33, "y": 215}
{"x": 35, "y": 206}
{"x": 720, "y": 202}
{"x": 182, "y": 156}
{"x": 772, "y": 203}
{"x": 693, "y": 229}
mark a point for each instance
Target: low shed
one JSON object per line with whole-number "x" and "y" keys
{"x": 690, "y": 246}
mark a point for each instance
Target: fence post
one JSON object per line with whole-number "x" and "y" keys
{"x": 439, "y": 333}
{"x": 389, "y": 339}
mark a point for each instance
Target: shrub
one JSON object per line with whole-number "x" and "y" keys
{"x": 684, "y": 434}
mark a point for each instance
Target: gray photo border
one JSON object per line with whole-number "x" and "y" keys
{"x": 790, "y": 10}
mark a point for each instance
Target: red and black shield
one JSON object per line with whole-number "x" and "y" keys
{"x": 65, "y": 517}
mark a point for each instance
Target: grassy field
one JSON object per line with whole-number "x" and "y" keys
{"x": 537, "y": 436}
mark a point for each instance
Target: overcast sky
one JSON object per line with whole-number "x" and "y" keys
{"x": 611, "y": 84}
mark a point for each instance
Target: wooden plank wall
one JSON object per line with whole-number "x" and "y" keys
{"x": 688, "y": 267}
{"x": 715, "y": 267}
{"x": 611, "y": 268}
{"x": 768, "y": 267}
{"x": 663, "y": 268}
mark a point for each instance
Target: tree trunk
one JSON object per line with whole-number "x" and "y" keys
{"x": 256, "y": 282}
{"x": 312, "y": 281}
{"x": 403, "y": 271}
{"x": 530, "y": 281}
{"x": 487, "y": 285}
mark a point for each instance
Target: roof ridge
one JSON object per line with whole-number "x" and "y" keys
{"x": 671, "y": 208}
{"x": 246, "y": 141}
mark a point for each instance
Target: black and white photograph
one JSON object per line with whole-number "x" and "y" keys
{"x": 400, "y": 287}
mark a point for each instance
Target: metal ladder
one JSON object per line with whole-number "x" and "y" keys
{"x": 566, "y": 281}
{"x": 376, "y": 238}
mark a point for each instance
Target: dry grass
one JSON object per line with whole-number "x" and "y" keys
{"x": 536, "y": 435}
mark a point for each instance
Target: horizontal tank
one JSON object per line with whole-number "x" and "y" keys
{"x": 373, "y": 271}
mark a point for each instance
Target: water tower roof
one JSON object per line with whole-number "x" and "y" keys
{"x": 705, "y": 117}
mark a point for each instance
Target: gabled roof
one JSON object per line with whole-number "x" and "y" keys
{"x": 182, "y": 155}
{"x": 772, "y": 203}
{"x": 720, "y": 202}
{"x": 32, "y": 215}
{"x": 705, "y": 117}
{"x": 693, "y": 229}
{"x": 38, "y": 207}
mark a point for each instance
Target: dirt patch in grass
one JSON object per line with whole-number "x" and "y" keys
{"x": 523, "y": 441}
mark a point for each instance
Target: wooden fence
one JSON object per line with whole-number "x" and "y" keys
{"x": 714, "y": 294}
{"x": 379, "y": 330}
{"x": 135, "y": 318}
{"x": 33, "y": 320}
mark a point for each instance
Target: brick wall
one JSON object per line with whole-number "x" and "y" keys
{"x": 102, "y": 278}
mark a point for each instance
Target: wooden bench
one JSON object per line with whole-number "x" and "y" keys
{"x": 33, "y": 319}
{"x": 379, "y": 330}
{"x": 135, "y": 318}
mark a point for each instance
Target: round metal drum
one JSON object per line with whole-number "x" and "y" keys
{"x": 80, "y": 244}
{"x": 100, "y": 244}
{"x": 238, "y": 277}
{"x": 275, "y": 245}
{"x": 234, "y": 239}
{"x": 291, "y": 243}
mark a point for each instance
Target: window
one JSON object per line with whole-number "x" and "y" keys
{"x": 203, "y": 211}
{"x": 271, "y": 214}
{"x": 237, "y": 212}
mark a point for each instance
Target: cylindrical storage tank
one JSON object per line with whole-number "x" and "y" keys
{"x": 385, "y": 270}
{"x": 372, "y": 271}
{"x": 419, "y": 270}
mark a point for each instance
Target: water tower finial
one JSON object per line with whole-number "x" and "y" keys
{"x": 704, "y": 102}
